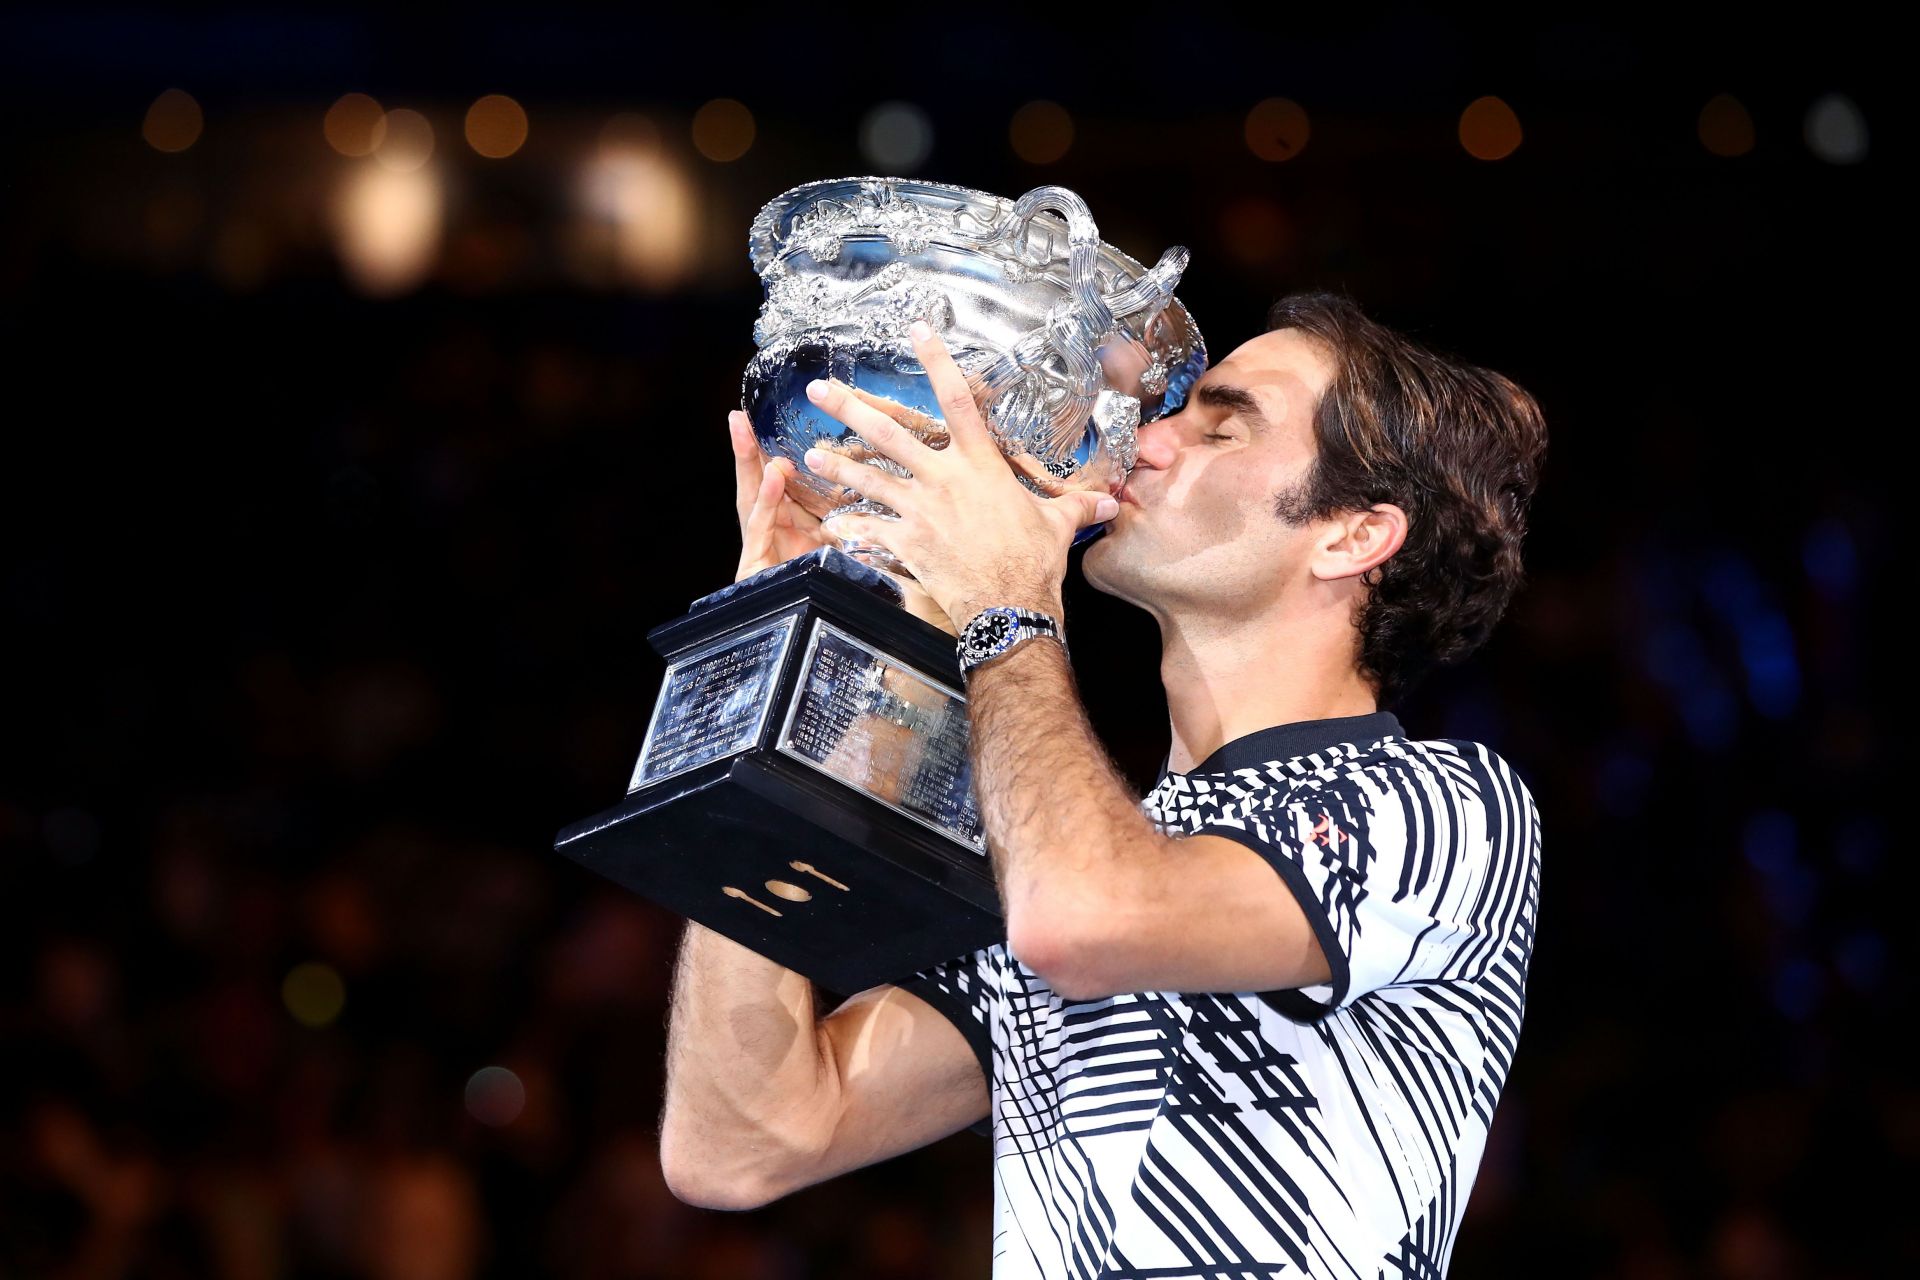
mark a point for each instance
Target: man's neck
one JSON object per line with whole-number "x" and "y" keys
{"x": 1226, "y": 679}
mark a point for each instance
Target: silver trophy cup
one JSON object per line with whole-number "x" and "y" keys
{"x": 805, "y": 785}
{"x": 1067, "y": 343}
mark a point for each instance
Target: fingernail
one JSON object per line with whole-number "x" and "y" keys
{"x": 1106, "y": 508}
{"x": 817, "y": 390}
{"x": 815, "y": 457}
{"x": 921, "y": 330}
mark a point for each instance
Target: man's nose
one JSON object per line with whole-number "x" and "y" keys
{"x": 1159, "y": 443}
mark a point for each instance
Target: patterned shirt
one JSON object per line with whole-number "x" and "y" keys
{"x": 1330, "y": 1131}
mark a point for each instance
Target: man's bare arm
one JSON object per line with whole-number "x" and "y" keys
{"x": 764, "y": 1096}
{"x": 1097, "y": 901}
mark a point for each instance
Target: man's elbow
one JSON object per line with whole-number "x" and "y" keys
{"x": 701, "y": 1174}
{"x": 732, "y": 1197}
{"x": 1064, "y": 951}
{"x": 707, "y": 1187}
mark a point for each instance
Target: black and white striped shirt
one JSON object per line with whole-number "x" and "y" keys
{"x": 1332, "y": 1131}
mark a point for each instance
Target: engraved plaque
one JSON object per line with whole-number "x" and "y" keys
{"x": 714, "y": 702}
{"x": 876, "y": 724}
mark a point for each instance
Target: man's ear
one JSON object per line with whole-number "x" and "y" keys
{"x": 1352, "y": 542}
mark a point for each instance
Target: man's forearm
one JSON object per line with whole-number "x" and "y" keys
{"x": 746, "y": 1077}
{"x": 1063, "y": 827}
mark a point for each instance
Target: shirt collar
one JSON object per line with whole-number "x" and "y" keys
{"x": 1285, "y": 741}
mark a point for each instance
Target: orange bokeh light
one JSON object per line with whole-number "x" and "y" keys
{"x": 1277, "y": 129}
{"x": 1725, "y": 127}
{"x": 173, "y": 122}
{"x": 1489, "y": 130}
{"x": 1255, "y": 231}
{"x": 496, "y": 126}
{"x": 355, "y": 125}
{"x": 723, "y": 130}
{"x": 1041, "y": 132}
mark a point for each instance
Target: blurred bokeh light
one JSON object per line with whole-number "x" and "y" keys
{"x": 495, "y": 1096}
{"x": 641, "y": 216}
{"x": 1489, "y": 130}
{"x": 1277, "y": 129}
{"x": 406, "y": 143}
{"x": 1254, "y": 230}
{"x": 1041, "y": 132}
{"x": 1725, "y": 127}
{"x": 723, "y": 130}
{"x": 355, "y": 125}
{"x": 896, "y": 137}
{"x": 1836, "y": 130}
{"x": 387, "y": 224}
{"x": 313, "y": 994}
{"x": 173, "y": 121}
{"x": 496, "y": 126}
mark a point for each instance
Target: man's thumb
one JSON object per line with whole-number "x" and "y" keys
{"x": 1092, "y": 508}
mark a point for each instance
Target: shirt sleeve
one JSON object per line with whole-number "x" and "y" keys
{"x": 962, "y": 990}
{"x": 1408, "y": 866}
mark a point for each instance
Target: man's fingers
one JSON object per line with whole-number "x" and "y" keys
{"x": 1028, "y": 466}
{"x": 1085, "y": 508}
{"x": 861, "y": 527}
{"x": 881, "y": 432}
{"x": 926, "y": 428}
{"x": 749, "y": 464}
{"x": 957, "y": 405}
{"x": 756, "y": 530}
{"x": 867, "y": 481}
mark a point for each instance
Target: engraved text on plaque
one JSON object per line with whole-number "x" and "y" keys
{"x": 714, "y": 702}
{"x": 866, "y": 719}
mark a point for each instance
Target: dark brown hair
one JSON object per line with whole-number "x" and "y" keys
{"x": 1455, "y": 446}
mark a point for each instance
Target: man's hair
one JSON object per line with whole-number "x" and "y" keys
{"x": 1455, "y": 446}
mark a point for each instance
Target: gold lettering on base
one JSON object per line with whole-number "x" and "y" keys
{"x": 806, "y": 869}
{"x": 744, "y": 896}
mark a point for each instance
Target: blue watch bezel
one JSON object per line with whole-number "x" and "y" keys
{"x": 1018, "y": 618}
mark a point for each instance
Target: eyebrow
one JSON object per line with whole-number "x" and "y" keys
{"x": 1220, "y": 395}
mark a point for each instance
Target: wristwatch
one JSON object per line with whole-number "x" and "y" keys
{"x": 992, "y": 632}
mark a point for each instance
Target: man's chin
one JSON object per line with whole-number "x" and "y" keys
{"x": 1111, "y": 572}
{"x": 1103, "y": 559}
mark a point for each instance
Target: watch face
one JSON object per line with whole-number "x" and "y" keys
{"x": 989, "y": 633}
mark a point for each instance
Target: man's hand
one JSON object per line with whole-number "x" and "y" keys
{"x": 971, "y": 533}
{"x": 773, "y": 527}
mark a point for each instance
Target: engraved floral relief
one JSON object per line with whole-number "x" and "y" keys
{"x": 879, "y": 310}
{"x": 907, "y": 226}
{"x": 818, "y": 234}
{"x": 1153, "y": 379}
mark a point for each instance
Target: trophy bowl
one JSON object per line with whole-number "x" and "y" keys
{"x": 1067, "y": 343}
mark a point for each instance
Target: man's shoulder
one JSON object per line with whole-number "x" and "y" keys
{"x": 1390, "y": 766}
{"x": 1464, "y": 768}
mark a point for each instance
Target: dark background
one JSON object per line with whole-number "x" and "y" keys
{"x": 326, "y": 608}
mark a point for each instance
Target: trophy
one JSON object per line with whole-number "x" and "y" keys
{"x": 804, "y": 786}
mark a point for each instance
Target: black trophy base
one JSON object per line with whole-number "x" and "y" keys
{"x": 765, "y": 827}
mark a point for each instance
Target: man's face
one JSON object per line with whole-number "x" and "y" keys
{"x": 1197, "y": 528}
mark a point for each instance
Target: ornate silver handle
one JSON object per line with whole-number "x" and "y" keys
{"x": 1075, "y": 328}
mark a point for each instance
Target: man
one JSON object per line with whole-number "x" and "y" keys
{"x": 1257, "y": 1023}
